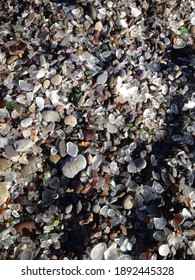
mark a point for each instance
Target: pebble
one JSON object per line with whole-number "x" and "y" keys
{"x": 40, "y": 102}
{"x": 112, "y": 128}
{"x": 10, "y": 152}
{"x": 54, "y": 158}
{"x": 160, "y": 223}
{"x": 27, "y": 255}
{"x": 140, "y": 164}
{"x": 4, "y": 165}
{"x": 25, "y": 86}
{"x": 4, "y": 193}
{"x": 97, "y": 160}
{"x": 56, "y": 80}
{"x": 42, "y": 60}
{"x": 111, "y": 253}
{"x": 47, "y": 197}
{"x": 131, "y": 168}
{"x": 73, "y": 166}
{"x": 62, "y": 148}
{"x": 51, "y": 116}
{"x": 11, "y": 59}
{"x": 97, "y": 253}
{"x": 98, "y": 26}
{"x": 127, "y": 202}
{"x": 70, "y": 120}
{"x": 26, "y": 122}
{"x": 164, "y": 250}
{"x": 3, "y": 142}
{"x": 72, "y": 149}
{"x": 46, "y": 84}
{"x": 23, "y": 145}
{"x": 102, "y": 78}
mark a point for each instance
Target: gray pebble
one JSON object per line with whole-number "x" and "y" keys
{"x": 56, "y": 80}
{"x": 26, "y": 122}
{"x": 72, "y": 149}
{"x": 73, "y": 166}
{"x": 102, "y": 78}
{"x": 51, "y": 116}
{"x": 25, "y": 86}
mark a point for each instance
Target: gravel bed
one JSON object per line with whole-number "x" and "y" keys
{"x": 97, "y": 129}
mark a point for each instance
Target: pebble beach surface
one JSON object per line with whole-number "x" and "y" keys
{"x": 97, "y": 130}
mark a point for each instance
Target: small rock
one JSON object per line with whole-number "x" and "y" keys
{"x": 51, "y": 116}
{"x": 127, "y": 202}
{"x": 40, "y": 102}
{"x": 73, "y": 166}
{"x": 42, "y": 61}
{"x": 4, "y": 193}
{"x": 54, "y": 158}
{"x": 164, "y": 250}
{"x": 131, "y": 168}
{"x": 23, "y": 145}
{"x": 98, "y": 26}
{"x": 10, "y": 152}
{"x": 70, "y": 120}
{"x": 111, "y": 253}
{"x": 68, "y": 209}
{"x": 31, "y": 167}
{"x": 11, "y": 59}
{"x": 159, "y": 223}
{"x": 104, "y": 211}
{"x": 112, "y": 128}
{"x": 96, "y": 208}
{"x": 72, "y": 149}
{"x": 27, "y": 255}
{"x": 26, "y": 228}
{"x": 140, "y": 164}
{"x": 3, "y": 142}
{"x": 47, "y": 197}
{"x": 25, "y": 86}
{"x": 97, "y": 160}
{"x": 4, "y": 114}
{"x": 26, "y": 122}
{"x": 4, "y": 164}
{"x": 46, "y": 84}
{"x": 97, "y": 252}
{"x": 102, "y": 78}
{"x": 62, "y": 148}
{"x": 56, "y": 80}
{"x": 135, "y": 12}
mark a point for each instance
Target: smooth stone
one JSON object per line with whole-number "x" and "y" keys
{"x": 3, "y": 142}
{"x": 97, "y": 160}
{"x": 73, "y": 166}
{"x": 4, "y": 165}
{"x": 46, "y": 84}
{"x": 4, "y": 113}
{"x": 31, "y": 167}
{"x": 97, "y": 253}
{"x": 51, "y": 116}
{"x": 127, "y": 202}
{"x": 102, "y": 78}
{"x": 159, "y": 236}
{"x": 54, "y": 158}
{"x": 104, "y": 211}
{"x": 42, "y": 60}
{"x": 40, "y": 101}
{"x": 10, "y": 152}
{"x": 68, "y": 209}
{"x": 62, "y": 148}
{"x": 70, "y": 120}
{"x": 72, "y": 149}
{"x": 164, "y": 250}
{"x": 26, "y": 122}
{"x": 47, "y": 197}
{"x": 96, "y": 208}
{"x": 26, "y": 255}
{"x": 25, "y": 86}
{"x": 23, "y": 145}
{"x": 98, "y": 26}
{"x": 56, "y": 80}
{"x": 111, "y": 253}
{"x": 4, "y": 193}
{"x": 112, "y": 128}
{"x": 140, "y": 164}
{"x": 131, "y": 168}
{"x": 160, "y": 223}
{"x": 11, "y": 59}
